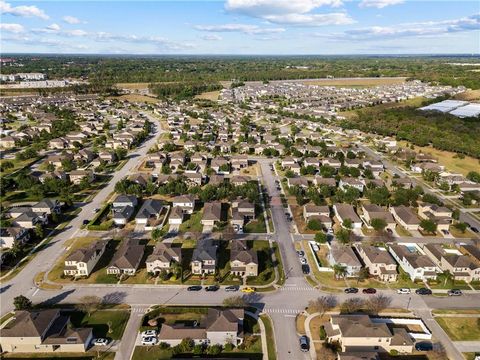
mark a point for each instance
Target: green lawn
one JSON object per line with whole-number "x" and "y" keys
{"x": 193, "y": 224}
{"x": 460, "y": 328}
{"x": 256, "y": 226}
{"x": 272, "y": 354}
{"x": 61, "y": 356}
{"x": 100, "y": 321}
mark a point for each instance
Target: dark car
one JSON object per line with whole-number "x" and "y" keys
{"x": 300, "y": 253}
{"x": 232, "y": 288}
{"x": 212, "y": 288}
{"x": 194, "y": 288}
{"x": 304, "y": 345}
{"x": 351, "y": 290}
{"x": 369, "y": 291}
{"x": 85, "y": 222}
{"x": 305, "y": 269}
{"x": 474, "y": 229}
{"x": 424, "y": 346}
{"x": 423, "y": 291}
{"x": 454, "y": 292}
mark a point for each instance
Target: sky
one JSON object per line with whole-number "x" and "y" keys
{"x": 241, "y": 27}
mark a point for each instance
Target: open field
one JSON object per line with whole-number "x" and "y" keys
{"x": 469, "y": 95}
{"x": 135, "y": 98}
{"x": 460, "y": 328}
{"x": 415, "y": 102}
{"x": 356, "y": 81}
{"x": 133, "y": 86}
{"x": 209, "y": 95}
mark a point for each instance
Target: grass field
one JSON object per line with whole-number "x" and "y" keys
{"x": 272, "y": 355}
{"x": 100, "y": 321}
{"x": 356, "y": 81}
{"x": 460, "y": 328}
{"x": 209, "y": 95}
{"x": 469, "y": 95}
{"x": 135, "y": 98}
{"x": 133, "y": 86}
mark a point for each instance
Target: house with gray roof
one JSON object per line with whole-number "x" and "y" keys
{"x": 82, "y": 261}
{"x": 243, "y": 261}
{"x": 344, "y": 256}
{"x": 204, "y": 258}
{"x": 163, "y": 257}
{"x": 127, "y": 258}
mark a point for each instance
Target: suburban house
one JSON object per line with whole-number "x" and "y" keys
{"x": 127, "y": 258}
{"x": 378, "y": 262}
{"x": 417, "y": 265}
{"x": 125, "y": 200}
{"x": 360, "y": 333}
{"x": 217, "y": 327}
{"x": 351, "y": 182}
{"x": 13, "y": 235}
{"x": 346, "y": 211}
{"x": 460, "y": 266}
{"x": 43, "y": 331}
{"x": 212, "y": 213}
{"x": 204, "y": 258}
{"x": 319, "y": 213}
{"x": 184, "y": 202}
{"x": 163, "y": 257}
{"x": 243, "y": 261}
{"x": 76, "y": 176}
{"x": 149, "y": 213}
{"x": 176, "y": 216}
{"x": 344, "y": 256}
{"x": 372, "y": 211}
{"x": 297, "y": 181}
{"x": 30, "y": 219}
{"x": 48, "y": 206}
{"x": 441, "y": 215}
{"x": 406, "y": 217}
{"x": 82, "y": 261}
{"x": 123, "y": 208}
{"x": 242, "y": 212}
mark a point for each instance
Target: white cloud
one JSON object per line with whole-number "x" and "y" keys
{"x": 422, "y": 29}
{"x": 379, "y": 4}
{"x": 311, "y": 19}
{"x": 290, "y": 12}
{"x": 53, "y": 27}
{"x": 13, "y": 28}
{"x": 71, "y": 19}
{"x": 211, "y": 37}
{"x": 76, "y": 32}
{"x": 22, "y": 11}
{"x": 243, "y": 28}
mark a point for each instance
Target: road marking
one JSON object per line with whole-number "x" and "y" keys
{"x": 282, "y": 311}
{"x": 35, "y": 292}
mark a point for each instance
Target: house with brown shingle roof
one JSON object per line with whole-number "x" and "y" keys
{"x": 344, "y": 256}
{"x": 163, "y": 257}
{"x": 127, "y": 258}
{"x": 243, "y": 261}
{"x": 378, "y": 262}
{"x": 43, "y": 331}
{"x": 406, "y": 217}
{"x": 212, "y": 213}
{"x": 82, "y": 261}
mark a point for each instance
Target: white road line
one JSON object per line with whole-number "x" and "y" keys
{"x": 35, "y": 292}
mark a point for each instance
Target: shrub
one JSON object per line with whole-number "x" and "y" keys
{"x": 323, "y": 334}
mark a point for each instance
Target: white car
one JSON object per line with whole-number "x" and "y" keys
{"x": 100, "y": 342}
{"x": 403, "y": 291}
{"x": 152, "y": 340}
{"x": 149, "y": 333}
{"x": 303, "y": 261}
{"x": 315, "y": 247}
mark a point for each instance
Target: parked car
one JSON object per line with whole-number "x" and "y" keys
{"x": 100, "y": 342}
{"x": 423, "y": 291}
{"x": 424, "y": 346}
{"x": 300, "y": 253}
{"x": 149, "y": 333}
{"x": 445, "y": 232}
{"x": 330, "y": 231}
{"x": 95, "y": 210}
{"x": 474, "y": 229}
{"x": 248, "y": 289}
{"x": 212, "y": 288}
{"x": 152, "y": 340}
{"x": 194, "y": 288}
{"x": 369, "y": 291}
{"x": 389, "y": 231}
{"x": 306, "y": 269}
{"x": 85, "y": 222}
{"x": 315, "y": 247}
{"x": 232, "y": 288}
{"x": 351, "y": 290}
{"x": 454, "y": 292}
{"x": 403, "y": 291}
{"x": 304, "y": 345}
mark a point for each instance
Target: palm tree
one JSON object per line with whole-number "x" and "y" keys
{"x": 447, "y": 276}
{"x": 339, "y": 271}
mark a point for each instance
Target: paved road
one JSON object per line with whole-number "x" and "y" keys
{"x": 45, "y": 259}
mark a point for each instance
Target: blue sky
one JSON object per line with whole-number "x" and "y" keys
{"x": 241, "y": 27}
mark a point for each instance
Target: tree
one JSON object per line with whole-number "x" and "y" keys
{"x": 428, "y": 225}
{"x": 321, "y": 237}
{"x": 339, "y": 271}
{"x": 214, "y": 349}
{"x": 156, "y": 234}
{"x": 347, "y": 224}
{"x": 323, "y": 304}
{"x": 314, "y": 224}
{"x": 234, "y": 301}
{"x": 377, "y": 303}
{"x": 343, "y": 236}
{"x": 445, "y": 276}
{"x": 22, "y": 303}
{"x": 39, "y": 233}
{"x": 351, "y": 305}
{"x": 461, "y": 226}
{"x": 378, "y": 224}
{"x": 289, "y": 174}
{"x": 474, "y": 176}
{"x": 89, "y": 304}
{"x": 363, "y": 274}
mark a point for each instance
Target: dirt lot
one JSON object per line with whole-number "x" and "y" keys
{"x": 210, "y": 95}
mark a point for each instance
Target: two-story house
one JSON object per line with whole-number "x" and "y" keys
{"x": 82, "y": 261}
{"x": 378, "y": 262}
